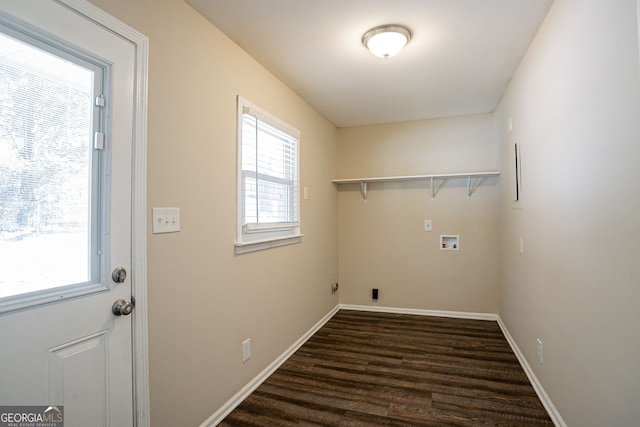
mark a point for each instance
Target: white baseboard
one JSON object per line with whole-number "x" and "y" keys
{"x": 542, "y": 394}
{"x": 420, "y": 312}
{"x": 232, "y": 403}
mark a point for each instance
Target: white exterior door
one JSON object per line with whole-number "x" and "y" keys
{"x": 67, "y": 123}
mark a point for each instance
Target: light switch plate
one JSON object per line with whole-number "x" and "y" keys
{"x": 246, "y": 350}
{"x": 166, "y": 220}
{"x": 427, "y": 225}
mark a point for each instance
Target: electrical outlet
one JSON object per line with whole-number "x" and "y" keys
{"x": 334, "y": 287}
{"x": 539, "y": 344}
{"x": 246, "y": 350}
{"x": 427, "y": 225}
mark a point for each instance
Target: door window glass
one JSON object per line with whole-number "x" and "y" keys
{"x": 49, "y": 202}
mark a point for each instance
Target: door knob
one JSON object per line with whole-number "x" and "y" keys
{"x": 122, "y": 308}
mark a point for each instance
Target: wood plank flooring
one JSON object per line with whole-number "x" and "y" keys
{"x": 370, "y": 369}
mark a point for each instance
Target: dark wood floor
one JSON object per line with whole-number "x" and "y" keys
{"x": 367, "y": 369}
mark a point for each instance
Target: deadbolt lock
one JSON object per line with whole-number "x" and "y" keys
{"x": 119, "y": 275}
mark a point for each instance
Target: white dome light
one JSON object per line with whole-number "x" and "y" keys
{"x": 386, "y": 41}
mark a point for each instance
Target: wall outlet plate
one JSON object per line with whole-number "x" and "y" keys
{"x": 539, "y": 346}
{"x": 246, "y": 350}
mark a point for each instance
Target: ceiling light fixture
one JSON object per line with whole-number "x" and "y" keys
{"x": 385, "y": 41}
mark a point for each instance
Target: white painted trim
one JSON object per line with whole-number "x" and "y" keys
{"x": 142, "y": 416}
{"x": 420, "y": 312}
{"x": 232, "y": 403}
{"x": 139, "y": 202}
{"x": 542, "y": 394}
{"x": 259, "y": 245}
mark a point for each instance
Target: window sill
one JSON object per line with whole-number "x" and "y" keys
{"x": 246, "y": 247}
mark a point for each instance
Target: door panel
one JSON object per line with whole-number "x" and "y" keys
{"x": 68, "y": 348}
{"x": 82, "y": 362}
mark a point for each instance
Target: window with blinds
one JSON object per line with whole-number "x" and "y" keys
{"x": 49, "y": 180}
{"x": 268, "y": 187}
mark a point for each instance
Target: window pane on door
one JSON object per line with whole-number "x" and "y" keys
{"x": 46, "y": 116}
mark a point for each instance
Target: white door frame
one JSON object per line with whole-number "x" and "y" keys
{"x": 139, "y": 203}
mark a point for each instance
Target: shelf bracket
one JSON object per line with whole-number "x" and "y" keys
{"x": 433, "y": 194}
{"x": 468, "y": 186}
{"x": 363, "y": 189}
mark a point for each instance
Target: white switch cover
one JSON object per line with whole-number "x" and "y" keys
{"x": 427, "y": 225}
{"x": 166, "y": 220}
{"x": 246, "y": 350}
{"x": 539, "y": 346}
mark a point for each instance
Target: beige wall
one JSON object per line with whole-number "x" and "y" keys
{"x": 203, "y": 300}
{"x": 382, "y": 240}
{"x": 575, "y": 104}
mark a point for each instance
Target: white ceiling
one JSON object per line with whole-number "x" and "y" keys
{"x": 459, "y": 61}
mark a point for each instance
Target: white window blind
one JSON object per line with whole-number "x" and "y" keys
{"x": 49, "y": 181}
{"x": 268, "y": 178}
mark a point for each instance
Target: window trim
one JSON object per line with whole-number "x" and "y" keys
{"x": 256, "y": 237}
